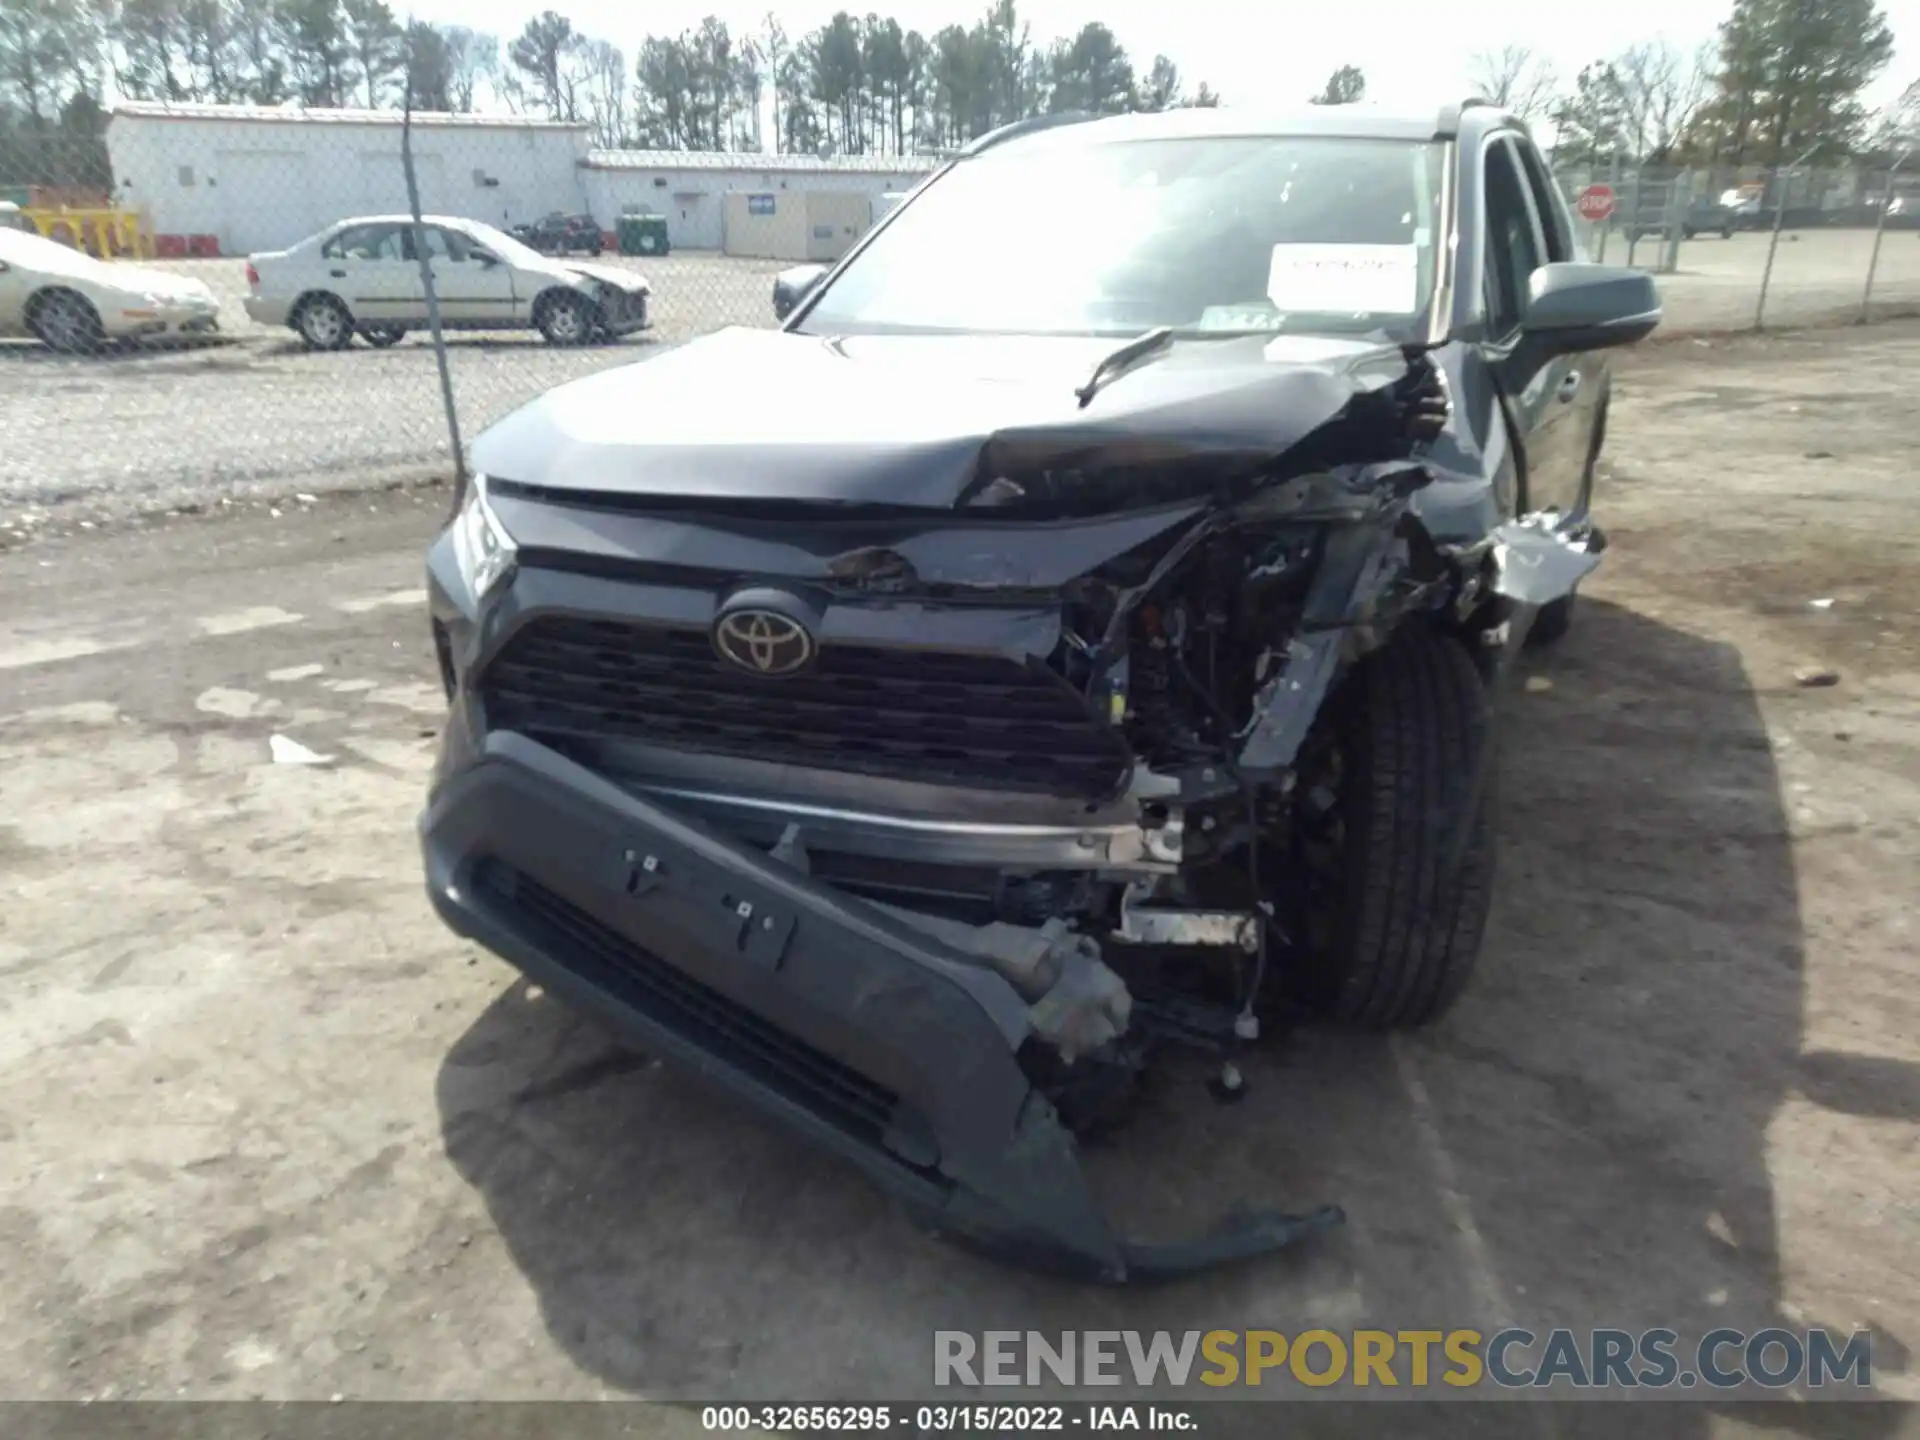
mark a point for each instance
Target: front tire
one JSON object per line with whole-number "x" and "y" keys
{"x": 324, "y": 324}
{"x": 67, "y": 324}
{"x": 1407, "y": 728}
{"x": 567, "y": 320}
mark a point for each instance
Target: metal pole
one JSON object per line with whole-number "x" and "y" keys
{"x": 1633, "y": 216}
{"x": 1779, "y": 215}
{"x": 1613, "y": 184}
{"x": 1879, "y": 228}
{"x": 1679, "y": 207}
{"x": 433, "y": 298}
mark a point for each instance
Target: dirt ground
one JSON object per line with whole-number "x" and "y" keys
{"x": 270, "y": 1131}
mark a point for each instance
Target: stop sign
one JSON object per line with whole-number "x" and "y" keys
{"x": 1595, "y": 202}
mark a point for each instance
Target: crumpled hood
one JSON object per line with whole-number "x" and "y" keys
{"x": 917, "y": 420}
{"x": 613, "y": 275}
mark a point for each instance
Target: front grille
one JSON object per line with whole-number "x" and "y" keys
{"x": 624, "y": 307}
{"x": 933, "y": 716}
{"x": 672, "y": 998}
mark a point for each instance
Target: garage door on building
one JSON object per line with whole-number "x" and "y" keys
{"x": 266, "y": 199}
{"x": 696, "y": 221}
{"x": 767, "y": 226}
{"x": 834, "y": 221}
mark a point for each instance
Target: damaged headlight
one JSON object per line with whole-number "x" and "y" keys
{"x": 482, "y": 548}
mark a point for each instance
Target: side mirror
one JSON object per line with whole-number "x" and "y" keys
{"x": 1574, "y": 306}
{"x": 790, "y": 287}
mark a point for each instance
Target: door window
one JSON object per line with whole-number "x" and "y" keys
{"x": 447, "y": 244}
{"x": 1549, "y": 204}
{"x": 1513, "y": 246}
{"x": 365, "y": 242}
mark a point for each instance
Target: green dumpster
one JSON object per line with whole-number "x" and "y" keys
{"x": 642, "y": 234}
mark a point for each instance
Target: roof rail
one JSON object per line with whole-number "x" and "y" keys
{"x": 1448, "y": 122}
{"x": 1028, "y": 126}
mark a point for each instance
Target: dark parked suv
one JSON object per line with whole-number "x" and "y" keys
{"x": 1661, "y": 215}
{"x": 1060, "y": 649}
{"x": 558, "y": 234}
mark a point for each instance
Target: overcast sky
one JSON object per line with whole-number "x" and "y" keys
{"x": 1413, "y": 51}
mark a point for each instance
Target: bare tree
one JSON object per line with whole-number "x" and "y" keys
{"x": 471, "y": 58}
{"x": 1661, "y": 87}
{"x": 603, "y": 84}
{"x": 541, "y": 70}
{"x": 1902, "y": 118}
{"x": 1514, "y": 77}
{"x": 774, "y": 49}
{"x": 1346, "y": 86}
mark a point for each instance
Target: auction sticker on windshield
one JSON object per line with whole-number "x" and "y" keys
{"x": 1345, "y": 279}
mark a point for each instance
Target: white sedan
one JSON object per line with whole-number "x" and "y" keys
{"x": 362, "y": 277}
{"x": 75, "y": 304}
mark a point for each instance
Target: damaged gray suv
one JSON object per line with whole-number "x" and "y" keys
{"x": 1070, "y": 643}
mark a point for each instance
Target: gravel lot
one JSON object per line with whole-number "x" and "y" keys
{"x": 264, "y": 418}
{"x": 138, "y": 431}
{"x": 271, "y": 1131}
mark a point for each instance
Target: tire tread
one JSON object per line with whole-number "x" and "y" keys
{"x": 1410, "y": 933}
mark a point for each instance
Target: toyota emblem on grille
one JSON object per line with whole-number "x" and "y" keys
{"x": 763, "y": 641}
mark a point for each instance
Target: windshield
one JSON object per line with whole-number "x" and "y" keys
{"x": 1206, "y": 235}
{"x": 505, "y": 246}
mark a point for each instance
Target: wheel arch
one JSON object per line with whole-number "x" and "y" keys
{"x": 41, "y": 298}
{"x": 314, "y": 295}
{"x": 557, "y": 292}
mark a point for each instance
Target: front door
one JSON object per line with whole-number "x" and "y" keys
{"x": 1550, "y": 406}
{"x": 471, "y": 294}
{"x": 367, "y": 266}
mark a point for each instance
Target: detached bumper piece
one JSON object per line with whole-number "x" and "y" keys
{"x": 871, "y": 1037}
{"x": 625, "y": 311}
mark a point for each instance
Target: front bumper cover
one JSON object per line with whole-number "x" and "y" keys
{"x": 871, "y": 1037}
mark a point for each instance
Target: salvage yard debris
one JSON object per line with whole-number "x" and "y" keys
{"x": 292, "y": 752}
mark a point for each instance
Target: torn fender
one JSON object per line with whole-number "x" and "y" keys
{"x": 1535, "y": 564}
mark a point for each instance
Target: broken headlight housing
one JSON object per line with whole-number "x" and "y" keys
{"x": 482, "y": 548}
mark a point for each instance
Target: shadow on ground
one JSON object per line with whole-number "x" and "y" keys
{"x": 1582, "y": 1143}
{"x": 465, "y": 340}
{"x": 32, "y": 352}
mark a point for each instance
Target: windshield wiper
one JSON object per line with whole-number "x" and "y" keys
{"x": 1156, "y": 339}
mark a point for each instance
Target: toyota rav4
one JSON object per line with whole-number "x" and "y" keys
{"x": 1060, "y": 647}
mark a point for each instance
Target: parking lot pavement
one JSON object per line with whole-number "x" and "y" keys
{"x": 694, "y": 292}
{"x": 137, "y": 432}
{"x": 142, "y": 431}
{"x": 1819, "y": 276}
{"x": 272, "y": 1132}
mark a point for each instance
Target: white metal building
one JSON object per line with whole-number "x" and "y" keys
{"x": 690, "y": 187}
{"x": 258, "y": 178}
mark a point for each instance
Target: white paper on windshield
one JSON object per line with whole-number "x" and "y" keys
{"x": 1345, "y": 279}
{"x": 1240, "y": 317}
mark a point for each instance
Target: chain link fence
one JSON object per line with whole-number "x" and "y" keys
{"x": 1744, "y": 248}
{"x": 189, "y": 318}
